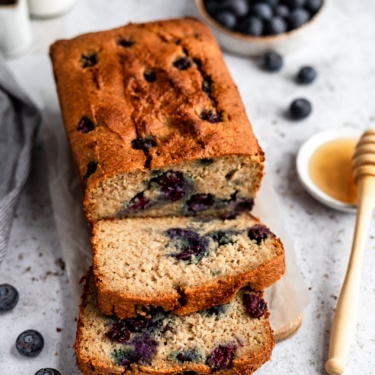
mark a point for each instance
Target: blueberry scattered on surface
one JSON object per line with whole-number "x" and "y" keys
{"x": 119, "y": 332}
{"x": 272, "y": 61}
{"x": 143, "y": 143}
{"x": 297, "y": 18}
{"x": 127, "y": 43}
{"x": 85, "y": 125}
{"x": 88, "y": 61}
{"x": 150, "y": 76}
{"x": 307, "y": 74}
{"x": 210, "y": 116}
{"x": 262, "y": 10}
{"x": 227, "y": 19}
{"x": 182, "y": 63}
{"x": 8, "y": 297}
{"x": 252, "y": 26}
{"x": 276, "y": 25}
{"x": 30, "y": 343}
{"x": 48, "y": 371}
{"x": 221, "y": 357}
{"x": 300, "y": 109}
{"x": 259, "y": 233}
{"x": 254, "y": 305}
{"x": 200, "y": 202}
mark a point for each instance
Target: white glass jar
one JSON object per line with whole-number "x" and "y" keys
{"x": 49, "y": 8}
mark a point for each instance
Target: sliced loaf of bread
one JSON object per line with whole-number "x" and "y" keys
{"x": 229, "y": 339}
{"x": 182, "y": 264}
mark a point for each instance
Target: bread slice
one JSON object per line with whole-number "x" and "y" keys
{"x": 155, "y": 122}
{"x": 225, "y": 339}
{"x": 182, "y": 264}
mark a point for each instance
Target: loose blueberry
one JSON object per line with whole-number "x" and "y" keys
{"x": 281, "y": 10}
{"x": 297, "y": 18}
{"x": 48, "y": 371}
{"x": 88, "y": 61}
{"x": 30, "y": 343}
{"x": 143, "y": 143}
{"x": 300, "y": 109}
{"x": 262, "y": 10}
{"x": 200, "y": 202}
{"x": 126, "y": 43}
{"x": 252, "y": 26}
{"x": 85, "y": 125}
{"x": 221, "y": 357}
{"x": 313, "y": 5}
{"x": 119, "y": 332}
{"x": 91, "y": 169}
{"x": 259, "y": 233}
{"x": 292, "y": 4}
{"x": 210, "y": 116}
{"x": 150, "y": 76}
{"x": 226, "y": 18}
{"x": 239, "y": 7}
{"x": 276, "y": 25}
{"x": 137, "y": 203}
{"x": 272, "y": 61}
{"x": 172, "y": 184}
{"x": 8, "y": 297}
{"x": 182, "y": 63}
{"x": 307, "y": 74}
{"x": 254, "y": 305}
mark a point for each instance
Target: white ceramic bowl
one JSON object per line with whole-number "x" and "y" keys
{"x": 236, "y": 42}
{"x": 303, "y": 160}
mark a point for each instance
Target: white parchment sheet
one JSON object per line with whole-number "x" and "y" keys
{"x": 287, "y": 298}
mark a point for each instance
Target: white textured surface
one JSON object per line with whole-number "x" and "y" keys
{"x": 343, "y": 95}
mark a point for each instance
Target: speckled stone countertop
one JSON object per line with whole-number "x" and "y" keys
{"x": 343, "y": 95}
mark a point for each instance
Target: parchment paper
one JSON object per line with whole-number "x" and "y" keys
{"x": 286, "y": 299}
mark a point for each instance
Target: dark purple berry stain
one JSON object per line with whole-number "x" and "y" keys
{"x": 8, "y": 297}
{"x": 254, "y": 305}
{"x": 126, "y": 43}
{"x": 89, "y": 60}
{"x": 85, "y": 125}
{"x": 91, "y": 169}
{"x": 30, "y": 343}
{"x": 190, "y": 244}
{"x": 137, "y": 203}
{"x": 216, "y": 310}
{"x": 172, "y": 184}
{"x": 144, "y": 348}
{"x": 190, "y": 355}
{"x": 221, "y": 357}
{"x": 210, "y": 116}
{"x": 48, "y": 371}
{"x": 200, "y": 202}
{"x": 182, "y": 63}
{"x": 243, "y": 204}
{"x": 223, "y": 237}
{"x": 259, "y": 233}
{"x": 150, "y": 76}
{"x": 119, "y": 332}
{"x": 144, "y": 143}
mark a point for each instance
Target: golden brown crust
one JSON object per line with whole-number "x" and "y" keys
{"x": 114, "y": 94}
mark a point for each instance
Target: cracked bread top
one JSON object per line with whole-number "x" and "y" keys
{"x": 147, "y": 96}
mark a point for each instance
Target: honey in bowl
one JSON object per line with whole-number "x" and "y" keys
{"x": 330, "y": 169}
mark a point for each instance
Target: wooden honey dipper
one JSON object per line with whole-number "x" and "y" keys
{"x": 345, "y": 318}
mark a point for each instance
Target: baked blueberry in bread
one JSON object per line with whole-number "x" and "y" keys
{"x": 155, "y": 123}
{"x": 232, "y": 339}
{"x": 183, "y": 264}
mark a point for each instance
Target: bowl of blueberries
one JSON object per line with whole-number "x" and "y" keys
{"x": 253, "y": 27}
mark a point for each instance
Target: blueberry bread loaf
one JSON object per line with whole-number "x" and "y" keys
{"x": 235, "y": 338}
{"x": 155, "y": 123}
{"x": 183, "y": 264}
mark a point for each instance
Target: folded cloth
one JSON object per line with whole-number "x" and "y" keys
{"x": 19, "y": 120}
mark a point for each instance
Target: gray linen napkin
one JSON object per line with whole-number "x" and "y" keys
{"x": 19, "y": 120}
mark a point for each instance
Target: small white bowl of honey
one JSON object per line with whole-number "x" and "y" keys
{"x": 324, "y": 167}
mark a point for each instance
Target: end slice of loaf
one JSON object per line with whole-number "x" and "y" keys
{"x": 225, "y": 339}
{"x": 182, "y": 264}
